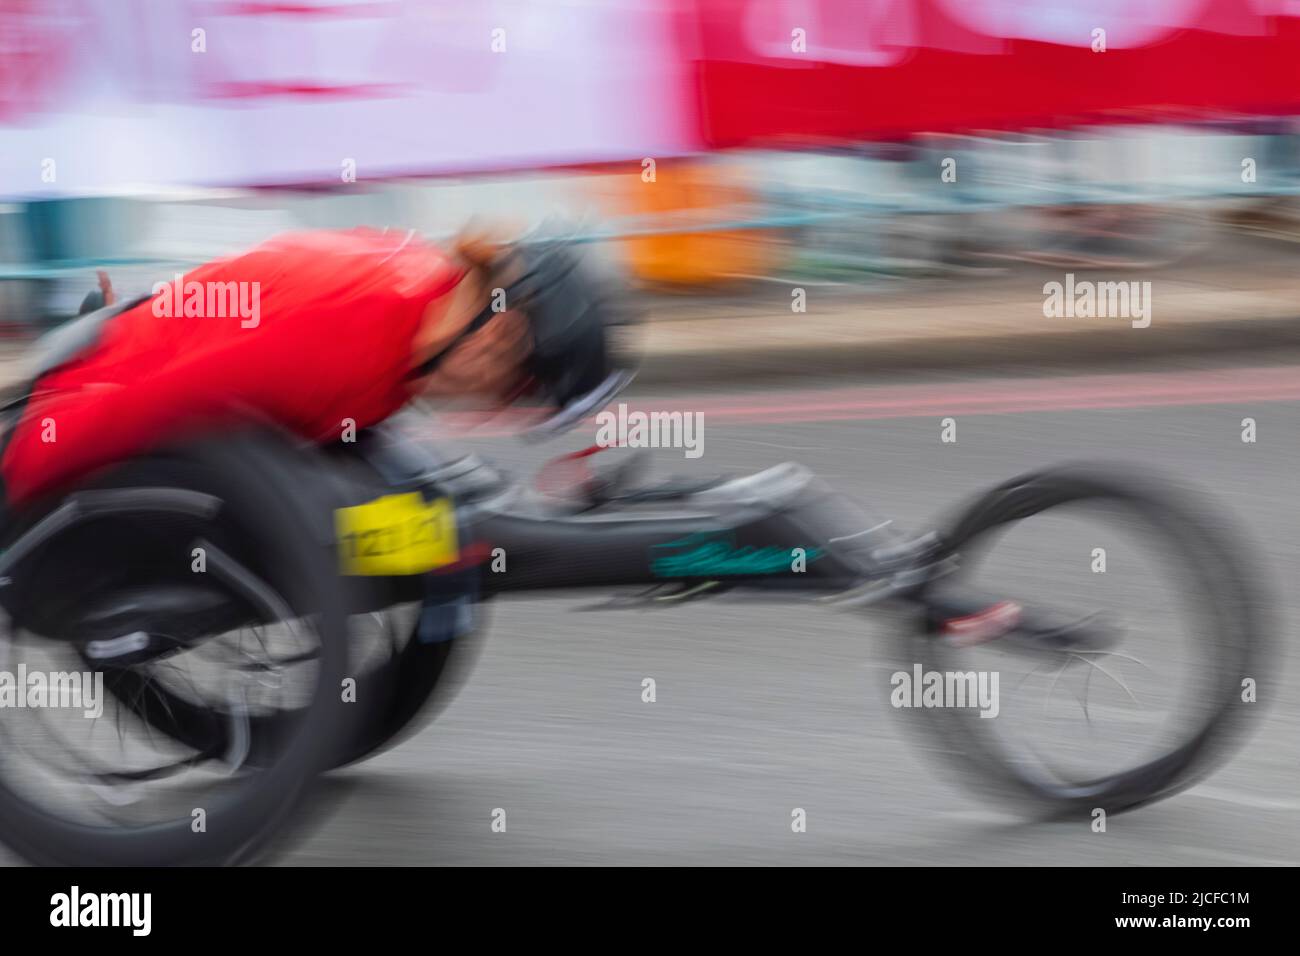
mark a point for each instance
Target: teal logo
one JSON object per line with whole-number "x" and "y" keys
{"x": 716, "y": 554}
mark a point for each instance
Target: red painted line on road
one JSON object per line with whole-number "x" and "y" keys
{"x": 994, "y": 397}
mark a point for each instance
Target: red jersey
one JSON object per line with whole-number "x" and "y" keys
{"x": 316, "y": 330}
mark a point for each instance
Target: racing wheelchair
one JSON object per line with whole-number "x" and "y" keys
{"x": 229, "y": 618}
{"x": 260, "y": 612}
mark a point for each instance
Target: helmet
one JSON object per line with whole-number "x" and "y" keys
{"x": 577, "y": 320}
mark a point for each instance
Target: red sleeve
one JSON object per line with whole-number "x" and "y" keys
{"x": 324, "y": 335}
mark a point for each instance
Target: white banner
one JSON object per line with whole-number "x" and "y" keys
{"x": 102, "y": 96}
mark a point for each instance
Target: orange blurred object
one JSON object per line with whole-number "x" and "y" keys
{"x": 697, "y": 191}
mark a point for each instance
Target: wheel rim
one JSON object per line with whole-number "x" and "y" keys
{"x": 1193, "y": 714}
{"x": 115, "y": 770}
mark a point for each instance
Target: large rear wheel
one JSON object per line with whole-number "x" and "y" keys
{"x": 236, "y": 607}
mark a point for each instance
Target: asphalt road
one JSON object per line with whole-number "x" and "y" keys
{"x": 761, "y": 710}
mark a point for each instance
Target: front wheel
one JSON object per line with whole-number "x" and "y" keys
{"x": 1067, "y": 724}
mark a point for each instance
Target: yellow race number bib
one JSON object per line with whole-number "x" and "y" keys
{"x": 396, "y": 534}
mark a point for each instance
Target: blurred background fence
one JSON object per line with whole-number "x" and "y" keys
{"x": 702, "y": 146}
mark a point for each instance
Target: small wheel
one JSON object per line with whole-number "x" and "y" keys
{"x": 153, "y": 597}
{"x": 1077, "y": 725}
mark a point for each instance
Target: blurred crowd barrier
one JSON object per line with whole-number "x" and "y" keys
{"x": 1123, "y": 197}
{"x": 697, "y": 144}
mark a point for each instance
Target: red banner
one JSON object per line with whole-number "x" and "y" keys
{"x": 791, "y": 69}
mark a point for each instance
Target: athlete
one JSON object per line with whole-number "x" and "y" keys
{"x": 315, "y": 332}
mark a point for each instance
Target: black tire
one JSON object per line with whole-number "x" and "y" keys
{"x": 406, "y": 691}
{"x": 266, "y": 522}
{"x": 401, "y": 682}
{"x": 395, "y": 697}
{"x": 1233, "y": 621}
